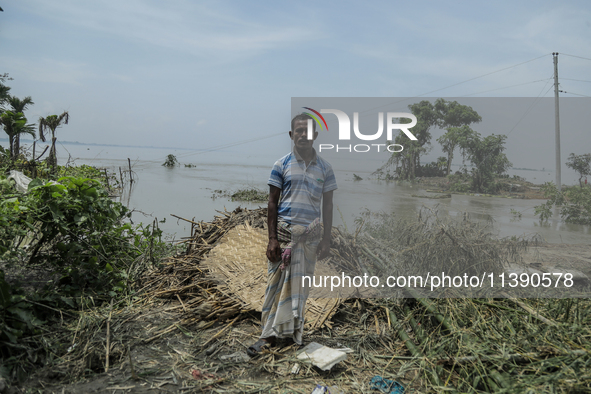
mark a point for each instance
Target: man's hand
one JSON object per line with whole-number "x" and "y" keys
{"x": 273, "y": 250}
{"x": 323, "y": 249}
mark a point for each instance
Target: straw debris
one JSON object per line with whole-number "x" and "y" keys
{"x": 185, "y": 316}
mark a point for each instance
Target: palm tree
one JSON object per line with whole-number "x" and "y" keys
{"x": 4, "y": 96}
{"x": 19, "y": 105}
{"x": 15, "y": 124}
{"x": 4, "y": 93}
{"x": 52, "y": 122}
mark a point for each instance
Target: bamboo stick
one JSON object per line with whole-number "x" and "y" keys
{"x": 108, "y": 337}
{"x": 533, "y": 312}
{"x": 220, "y": 332}
{"x": 431, "y": 309}
{"x": 412, "y": 347}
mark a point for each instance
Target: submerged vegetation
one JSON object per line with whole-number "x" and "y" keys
{"x": 484, "y": 154}
{"x": 171, "y": 161}
{"x": 251, "y": 194}
{"x": 581, "y": 164}
{"x": 574, "y": 203}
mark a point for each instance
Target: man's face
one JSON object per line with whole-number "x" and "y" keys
{"x": 300, "y": 135}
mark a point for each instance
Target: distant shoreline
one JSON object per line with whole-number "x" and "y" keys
{"x": 109, "y": 145}
{"x": 203, "y": 150}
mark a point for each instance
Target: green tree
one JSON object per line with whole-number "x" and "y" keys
{"x": 442, "y": 163}
{"x": 14, "y": 124}
{"x": 454, "y": 137}
{"x": 19, "y": 105}
{"x": 427, "y": 117}
{"x": 581, "y": 164}
{"x": 4, "y": 95}
{"x": 52, "y": 122}
{"x": 487, "y": 157}
{"x": 442, "y": 114}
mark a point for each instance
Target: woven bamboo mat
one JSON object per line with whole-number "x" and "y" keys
{"x": 240, "y": 264}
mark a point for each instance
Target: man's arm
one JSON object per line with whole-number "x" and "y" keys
{"x": 273, "y": 248}
{"x": 324, "y": 246}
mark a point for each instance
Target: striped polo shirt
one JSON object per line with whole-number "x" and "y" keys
{"x": 301, "y": 187}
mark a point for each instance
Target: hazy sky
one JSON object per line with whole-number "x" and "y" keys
{"x": 203, "y": 74}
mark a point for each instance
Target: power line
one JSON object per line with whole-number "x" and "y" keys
{"x": 507, "y": 87}
{"x": 219, "y": 147}
{"x": 580, "y": 57}
{"x": 578, "y": 80}
{"x": 216, "y": 148}
{"x": 527, "y": 111}
{"x": 481, "y": 76}
{"x": 576, "y": 94}
{"x": 455, "y": 84}
{"x": 213, "y": 149}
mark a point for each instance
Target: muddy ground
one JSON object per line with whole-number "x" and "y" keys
{"x": 150, "y": 354}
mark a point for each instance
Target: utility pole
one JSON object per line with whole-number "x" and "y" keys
{"x": 557, "y": 121}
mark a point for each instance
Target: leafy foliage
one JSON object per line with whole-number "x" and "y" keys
{"x": 18, "y": 317}
{"x": 15, "y": 124}
{"x": 488, "y": 159}
{"x": 442, "y": 114}
{"x": 79, "y": 238}
{"x": 433, "y": 169}
{"x": 574, "y": 204}
{"x": 460, "y": 182}
{"x": 251, "y": 194}
{"x": 455, "y": 137}
{"x": 581, "y": 164}
{"x": 4, "y": 95}
{"x": 171, "y": 161}
{"x": 74, "y": 229}
{"x": 86, "y": 171}
{"x": 20, "y": 105}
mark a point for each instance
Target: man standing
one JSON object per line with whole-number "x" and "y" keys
{"x": 301, "y": 187}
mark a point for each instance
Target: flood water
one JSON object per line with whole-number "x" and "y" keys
{"x": 188, "y": 192}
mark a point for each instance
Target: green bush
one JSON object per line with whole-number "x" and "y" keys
{"x": 171, "y": 161}
{"x": 74, "y": 233}
{"x": 574, "y": 204}
{"x": 460, "y": 187}
{"x": 72, "y": 228}
{"x": 86, "y": 171}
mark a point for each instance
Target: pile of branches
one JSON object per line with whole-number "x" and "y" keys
{"x": 181, "y": 278}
